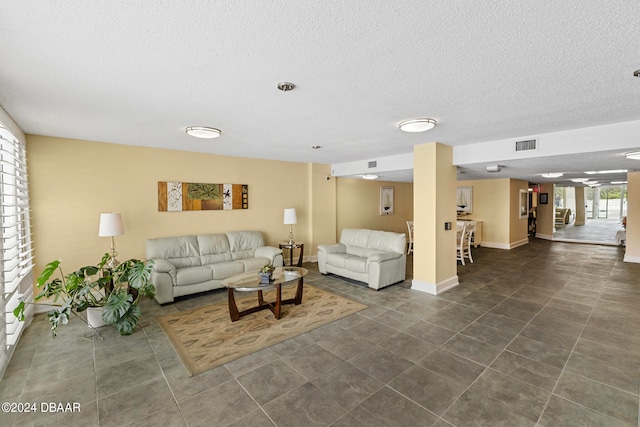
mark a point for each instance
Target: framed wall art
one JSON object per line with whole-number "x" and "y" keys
{"x": 386, "y": 201}
{"x": 464, "y": 200}
{"x": 187, "y": 196}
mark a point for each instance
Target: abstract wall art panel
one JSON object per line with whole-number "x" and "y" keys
{"x": 188, "y": 196}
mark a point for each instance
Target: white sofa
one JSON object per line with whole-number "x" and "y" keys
{"x": 186, "y": 265}
{"x": 375, "y": 257}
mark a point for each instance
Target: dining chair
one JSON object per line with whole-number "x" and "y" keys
{"x": 410, "y": 227}
{"x": 463, "y": 250}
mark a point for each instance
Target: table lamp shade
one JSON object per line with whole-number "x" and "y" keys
{"x": 290, "y": 216}
{"x": 111, "y": 225}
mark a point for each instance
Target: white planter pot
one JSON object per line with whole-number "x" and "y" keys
{"x": 94, "y": 317}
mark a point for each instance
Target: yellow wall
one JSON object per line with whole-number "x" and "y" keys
{"x": 358, "y": 205}
{"x": 72, "y": 182}
{"x": 491, "y": 205}
{"x": 632, "y": 251}
{"x": 496, "y": 202}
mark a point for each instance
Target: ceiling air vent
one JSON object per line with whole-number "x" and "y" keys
{"x": 373, "y": 164}
{"x": 527, "y": 144}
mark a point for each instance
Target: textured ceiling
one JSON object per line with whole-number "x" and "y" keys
{"x": 139, "y": 72}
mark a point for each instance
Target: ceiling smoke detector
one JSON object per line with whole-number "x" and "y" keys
{"x": 286, "y": 86}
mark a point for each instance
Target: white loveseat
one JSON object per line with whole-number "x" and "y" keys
{"x": 186, "y": 265}
{"x": 375, "y": 257}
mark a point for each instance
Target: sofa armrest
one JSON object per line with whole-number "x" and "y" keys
{"x": 163, "y": 266}
{"x": 163, "y": 277}
{"x": 337, "y": 248}
{"x": 267, "y": 252}
{"x": 324, "y": 250}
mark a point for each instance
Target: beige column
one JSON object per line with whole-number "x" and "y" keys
{"x": 545, "y": 213}
{"x": 581, "y": 208}
{"x": 434, "y": 199}
{"x": 632, "y": 252}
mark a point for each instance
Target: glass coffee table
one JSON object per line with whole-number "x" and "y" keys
{"x": 250, "y": 282}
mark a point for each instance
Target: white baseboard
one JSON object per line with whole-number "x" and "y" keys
{"x": 495, "y": 245}
{"x": 519, "y": 243}
{"x": 435, "y": 288}
{"x": 628, "y": 258}
{"x": 544, "y": 236}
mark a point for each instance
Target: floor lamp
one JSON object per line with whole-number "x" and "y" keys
{"x": 110, "y": 226}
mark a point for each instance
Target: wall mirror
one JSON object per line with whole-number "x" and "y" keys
{"x": 524, "y": 204}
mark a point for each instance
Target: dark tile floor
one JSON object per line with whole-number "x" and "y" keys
{"x": 600, "y": 231}
{"x": 546, "y": 334}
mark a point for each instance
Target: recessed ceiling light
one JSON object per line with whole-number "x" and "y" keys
{"x": 580, "y": 179}
{"x": 634, "y": 155}
{"x": 552, "y": 175}
{"x": 417, "y": 125}
{"x": 316, "y": 147}
{"x": 203, "y": 132}
{"x": 369, "y": 176}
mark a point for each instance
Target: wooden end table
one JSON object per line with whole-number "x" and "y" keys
{"x": 250, "y": 282}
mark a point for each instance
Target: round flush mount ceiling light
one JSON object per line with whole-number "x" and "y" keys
{"x": 580, "y": 179}
{"x": 634, "y": 155}
{"x": 417, "y": 125}
{"x": 369, "y": 176}
{"x": 552, "y": 175}
{"x": 203, "y": 132}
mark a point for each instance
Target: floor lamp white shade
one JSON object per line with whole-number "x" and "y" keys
{"x": 290, "y": 218}
{"x": 111, "y": 225}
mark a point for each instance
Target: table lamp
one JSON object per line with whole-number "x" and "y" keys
{"x": 290, "y": 219}
{"x": 110, "y": 226}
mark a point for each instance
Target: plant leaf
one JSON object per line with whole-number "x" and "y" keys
{"x": 116, "y": 307}
{"x": 126, "y": 324}
{"x": 49, "y": 269}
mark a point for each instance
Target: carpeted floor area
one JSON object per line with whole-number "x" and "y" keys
{"x": 205, "y": 337}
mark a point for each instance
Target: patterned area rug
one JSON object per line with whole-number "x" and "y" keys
{"x": 205, "y": 337}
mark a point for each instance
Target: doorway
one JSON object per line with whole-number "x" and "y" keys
{"x": 606, "y": 206}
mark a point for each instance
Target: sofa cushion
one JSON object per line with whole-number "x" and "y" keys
{"x": 224, "y": 269}
{"x": 180, "y": 251}
{"x": 192, "y": 275}
{"x": 213, "y": 248}
{"x": 356, "y": 263}
{"x": 355, "y": 240}
{"x": 386, "y": 241}
{"x": 348, "y": 261}
{"x": 251, "y": 264}
{"x": 243, "y": 244}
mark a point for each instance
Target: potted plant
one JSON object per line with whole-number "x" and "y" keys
{"x": 116, "y": 290}
{"x": 266, "y": 273}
